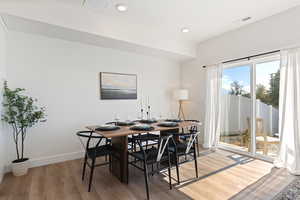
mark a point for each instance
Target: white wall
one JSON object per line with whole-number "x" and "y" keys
{"x": 193, "y": 78}
{"x": 2, "y": 76}
{"x": 274, "y": 33}
{"x": 64, "y": 77}
{"x": 277, "y": 32}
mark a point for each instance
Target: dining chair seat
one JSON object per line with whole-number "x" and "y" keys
{"x": 181, "y": 148}
{"x": 267, "y": 139}
{"x": 151, "y": 155}
{"x": 99, "y": 151}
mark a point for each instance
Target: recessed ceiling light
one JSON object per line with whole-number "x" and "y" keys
{"x": 121, "y": 7}
{"x": 185, "y": 30}
{"x": 246, "y": 19}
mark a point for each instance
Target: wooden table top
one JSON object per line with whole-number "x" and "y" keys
{"x": 125, "y": 130}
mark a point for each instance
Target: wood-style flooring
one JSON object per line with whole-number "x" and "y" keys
{"x": 223, "y": 175}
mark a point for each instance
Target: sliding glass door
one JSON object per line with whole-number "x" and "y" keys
{"x": 267, "y": 100}
{"x": 249, "y": 107}
{"x": 236, "y": 106}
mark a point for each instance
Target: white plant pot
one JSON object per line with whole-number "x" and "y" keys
{"x": 20, "y": 168}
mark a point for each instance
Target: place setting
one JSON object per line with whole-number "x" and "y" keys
{"x": 107, "y": 127}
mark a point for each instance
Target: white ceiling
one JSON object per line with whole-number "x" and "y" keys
{"x": 29, "y": 26}
{"x": 151, "y": 23}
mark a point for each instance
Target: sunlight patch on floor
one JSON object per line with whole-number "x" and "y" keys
{"x": 228, "y": 175}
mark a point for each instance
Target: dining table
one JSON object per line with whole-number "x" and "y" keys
{"x": 119, "y": 141}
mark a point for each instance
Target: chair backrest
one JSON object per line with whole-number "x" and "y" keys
{"x": 193, "y": 128}
{"x": 259, "y": 127}
{"x": 191, "y": 141}
{"x": 163, "y": 144}
{"x": 90, "y": 138}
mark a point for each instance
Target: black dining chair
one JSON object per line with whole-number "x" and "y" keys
{"x": 150, "y": 139}
{"x": 95, "y": 146}
{"x": 186, "y": 149}
{"x": 191, "y": 129}
{"x": 155, "y": 156}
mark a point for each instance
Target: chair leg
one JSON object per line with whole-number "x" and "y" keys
{"x": 146, "y": 180}
{"x": 106, "y": 155}
{"x": 177, "y": 169}
{"x": 91, "y": 174}
{"x": 198, "y": 149}
{"x": 169, "y": 172}
{"x": 135, "y": 150}
{"x": 152, "y": 168}
{"x": 196, "y": 164}
{"x": 84, "y": 167}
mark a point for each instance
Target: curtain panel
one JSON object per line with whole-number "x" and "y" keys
{"x": 213, "y": 106}
{"x": 289, "y": 112}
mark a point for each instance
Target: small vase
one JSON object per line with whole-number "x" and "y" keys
{"x": 20, "y": 167}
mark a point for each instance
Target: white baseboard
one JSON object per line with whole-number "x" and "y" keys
{"x": 56, "y": 159}
{"x": 37, "y": 162}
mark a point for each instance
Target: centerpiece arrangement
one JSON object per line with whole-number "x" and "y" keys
{"x": 148, "y": 119}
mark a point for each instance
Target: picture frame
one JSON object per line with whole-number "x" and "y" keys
{"x": 117, "y": 86}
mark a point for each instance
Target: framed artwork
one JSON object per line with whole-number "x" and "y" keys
{"x": 118, "y": 86}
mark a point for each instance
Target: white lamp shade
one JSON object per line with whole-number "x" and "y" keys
{"x": 181, "y": 94}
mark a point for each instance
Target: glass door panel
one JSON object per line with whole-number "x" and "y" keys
{"x": 267, "y": 98}
{"x": 236, "y": 107}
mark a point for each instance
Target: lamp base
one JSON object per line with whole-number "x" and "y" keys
{"x": 180, "y": 111}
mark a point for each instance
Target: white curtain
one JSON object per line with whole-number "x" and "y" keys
{"x": 213, "y": 106}
{"x": 289, "y": 112}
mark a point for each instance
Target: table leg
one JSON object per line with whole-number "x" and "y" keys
{"x": 119, "y": 164}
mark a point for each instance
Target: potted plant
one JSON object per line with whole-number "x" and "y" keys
{"x": 21, "y": 113}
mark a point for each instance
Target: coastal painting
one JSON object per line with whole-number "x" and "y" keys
{"x": 118, "y": 86}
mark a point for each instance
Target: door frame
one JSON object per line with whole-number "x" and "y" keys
{"x": 252, "y": 63}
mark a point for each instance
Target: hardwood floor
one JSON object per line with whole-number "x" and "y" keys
{"x": 223, "y": 175}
